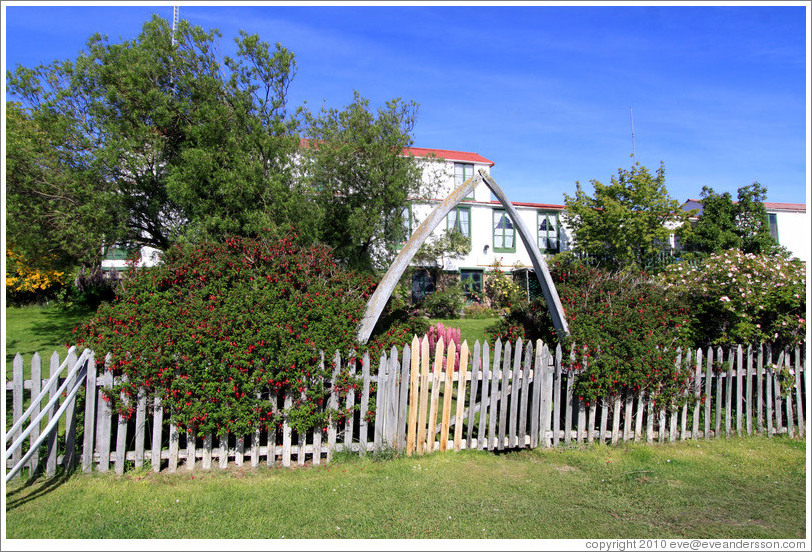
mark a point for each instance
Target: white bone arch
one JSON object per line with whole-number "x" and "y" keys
{"x": 387, "y": 285}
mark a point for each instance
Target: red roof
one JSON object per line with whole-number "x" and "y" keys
{"x": 770, "y": 206}
{"x": 785, "y": 206}
{"x": 446, "y": 155}
{"x": 450, "y": 155}
{"x": 545, "y": 206}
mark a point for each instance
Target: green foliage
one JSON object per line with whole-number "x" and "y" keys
{"x": 446, "y": 303}
{"x": 725, "y": 224}
{"x": 219, "y": 325}
{"x": 624, "y": 327}
{"x": 144, "y": 141}
{"x": 478, "y": 311}
{"x": 626, "y": 223}
{"x": 450, "y": 245}
{"x": 715, "y": 229}
{"x": 742, "y": 298}
{"x": 57, "y": 207}
{"x": 501, "y": 290}
{"x": 360, "y": 178}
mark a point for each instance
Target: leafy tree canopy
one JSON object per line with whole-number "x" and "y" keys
{"x": 628, "y": 222}
{"x": 162, "y": 139}
{"x": 356, "y": 166}
{"x": 726, "y": 224}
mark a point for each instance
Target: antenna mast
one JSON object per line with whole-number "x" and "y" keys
{"x": 631, "y": 115}
{"x": 175, "y": 13}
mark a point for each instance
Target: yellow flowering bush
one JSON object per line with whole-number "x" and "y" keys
{"x": 25, "y": 282}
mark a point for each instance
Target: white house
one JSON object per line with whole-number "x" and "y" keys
{"x": 482, "y": 219}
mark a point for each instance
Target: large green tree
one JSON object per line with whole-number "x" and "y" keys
{"x": 725, "y": 224}
{"x": 627, "y": 222}
{"x": 161, "y": 133}
{"x": 57, "y": 206}
{"x": 162, "y": 139}
{"x": 356, "y": 164}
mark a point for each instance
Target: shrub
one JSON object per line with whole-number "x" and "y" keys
{"x": 91, "y": 287}
{"x": 478, "y": 310}
{"x": 217, "y": 326}
{"x": 624, "y": 331}
{"x": 500, "y": 289}
{"x": 447, "y": 303}
{"x": 25, "y": 283}
{"x": 739, "y": 298}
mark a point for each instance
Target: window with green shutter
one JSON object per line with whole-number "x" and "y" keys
{"x": 547, "y": 233}
{"x": 462, "y": 172}
{"x": 504, "y": 235}
{"x": 460, "y": 218}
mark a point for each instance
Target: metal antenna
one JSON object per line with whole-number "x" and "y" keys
{"x": 631, "y": 115}
{"x": 175, "y": 13}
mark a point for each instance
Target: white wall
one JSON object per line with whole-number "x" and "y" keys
{"x": 793, "y": 233}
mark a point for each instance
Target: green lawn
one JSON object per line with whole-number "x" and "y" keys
{"x": 726, "y": 488}
{"x": 472, "y": 329}
{"x": 39, "y": 329}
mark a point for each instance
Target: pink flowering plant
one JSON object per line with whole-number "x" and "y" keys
{"x": 742, "y": 298}
{"x": 217, "y": 327}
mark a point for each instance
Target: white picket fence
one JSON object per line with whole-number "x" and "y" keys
{"x": 516, "y": 396}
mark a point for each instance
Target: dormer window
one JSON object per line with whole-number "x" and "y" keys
{"x": 462, "y": 172}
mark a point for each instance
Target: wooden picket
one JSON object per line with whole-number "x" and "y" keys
{"x": 514, "y": 395}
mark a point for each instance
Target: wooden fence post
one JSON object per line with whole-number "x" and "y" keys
{"x": 557, "y": 396}
{"x": 697, "y": 394}
{"x": 503, "y": 395}
{"x": 485, "y": 408}
{"x": 435, "y": 395}
{"x": 121, "y": 441}
{"x": 448, "y": 388}
{"x": 760, "y": 390}
{"x": 36, "y": 387}
{"x": 798, "y": 395}
{"x": 380, "y": 404}
{"x": 333, "y": 405}
{"x": 403, "y": 395}
{"x": 90, "y": 415}
{"x": 535, "y": 402}
{"x": 525, "y": 373}
{"x": 708, "y": 383}
{"x": 157, "y": 433}
{"x": 423, "y": 398}
{"x": 363, "y": 425}
{"x": 474, "y": 389}
{"x": 50, "y": 462}
{"x": 748, "y": 397}
{"x": 463, "y": 373}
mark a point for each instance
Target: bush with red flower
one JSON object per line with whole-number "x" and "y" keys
{"x": 217, "y": 326}
{"x": 624, "y": 331}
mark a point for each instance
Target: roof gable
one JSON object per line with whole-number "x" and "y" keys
{"x": 450, "y": 155}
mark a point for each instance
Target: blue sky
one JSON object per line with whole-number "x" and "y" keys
{"x": 719, "y": 94}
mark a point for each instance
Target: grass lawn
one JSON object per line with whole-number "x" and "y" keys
{"x": 725, "y": 488}
{"x": 39, "y": 329}
{"x": 472, "y": 329}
